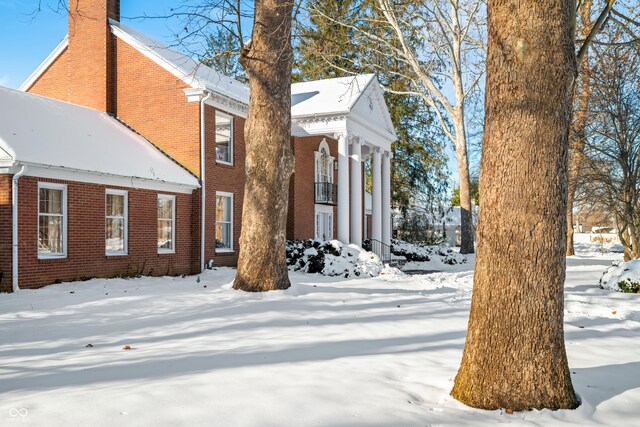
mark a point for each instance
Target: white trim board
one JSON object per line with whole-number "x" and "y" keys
{"x": 55, "y": 53}
{"x": 40, "y": 171}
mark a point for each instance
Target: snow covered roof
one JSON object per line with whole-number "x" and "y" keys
{"x": 328, "y": 96}
{"x": 182, "y": 66}
{"x": 326, "y": 102}
{"x": 40, "y": 131}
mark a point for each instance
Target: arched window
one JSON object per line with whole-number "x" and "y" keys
{"x": 324, "y": 163}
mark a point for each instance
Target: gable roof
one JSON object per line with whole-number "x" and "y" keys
{"x": 182, "y": 66}
{"x": 41, "y": 131}
{"x": 328, "y": 96}
{"x": 359, "y": 97}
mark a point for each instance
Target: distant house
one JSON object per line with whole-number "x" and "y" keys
{"x": 122, "y": 156}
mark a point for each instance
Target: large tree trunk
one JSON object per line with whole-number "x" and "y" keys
{"x": 514, "y": 355}
{"x": 267, "y": 60}
{"x": 578, "y": 137}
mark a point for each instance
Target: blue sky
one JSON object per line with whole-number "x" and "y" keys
{"x": 25, "y": 40}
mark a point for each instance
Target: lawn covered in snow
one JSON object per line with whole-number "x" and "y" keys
{"x": 327, "y": 352}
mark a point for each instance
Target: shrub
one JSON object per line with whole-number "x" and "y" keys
{"x": 629, "y": 286}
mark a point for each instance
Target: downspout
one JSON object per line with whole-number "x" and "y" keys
{"x": 202, "y": 180}
{"x": 14, "y": 223}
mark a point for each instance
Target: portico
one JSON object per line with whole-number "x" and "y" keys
{"x": 353, "y": 112}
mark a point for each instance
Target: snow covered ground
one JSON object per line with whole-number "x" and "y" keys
{"x": 327, "y": 352}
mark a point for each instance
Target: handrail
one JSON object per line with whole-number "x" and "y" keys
{"x": 382, "y": 250}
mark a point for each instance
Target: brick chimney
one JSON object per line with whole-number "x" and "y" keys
{"x": 92, "y": 53}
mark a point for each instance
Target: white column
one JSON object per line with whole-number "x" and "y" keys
{"x": 386, "y": 198}
{"x": 356, "y": 192}
{"x": 343, "y": 188}
{"x": 376, "y": 199}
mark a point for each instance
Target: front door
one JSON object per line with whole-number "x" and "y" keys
{"x": 324, "y": 226}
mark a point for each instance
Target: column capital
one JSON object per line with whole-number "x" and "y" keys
{"x": 386, "y": 153}
{"x": 354, "y": 139}
{"x": 339, "y": 135}
{"x": 376, "y": 149}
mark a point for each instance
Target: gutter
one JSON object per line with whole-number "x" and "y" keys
{"x": 202, "y": 180}
{"x": 14, "y": 223}
{"x": 132, "y": 181}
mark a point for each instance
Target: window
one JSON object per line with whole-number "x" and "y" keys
{"x": 116, "y": 222}
{"x": 224, "y": 222}
{"x": 52, "y": 220}
{"x": 224, "y": 138}
{"x": 166, "y": 223}
{"x": 324, "y": 163}
{"x": 324, "y": 226}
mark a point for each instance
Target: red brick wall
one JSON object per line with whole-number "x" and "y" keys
{"x": 5, "y": 232}
{"x": 54, "y": 81}
{"x": 86, "y": 236}
{"x": 220, "y": 177}
{"x": 301, "y": 220}
{"x": 150, "y": 100}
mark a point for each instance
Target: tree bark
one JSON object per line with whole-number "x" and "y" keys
{"x": 267, "y": 59}
{"x": 467, "y": 232}
{"x": 514, "y": 355}
{"x": 578, "y": 136}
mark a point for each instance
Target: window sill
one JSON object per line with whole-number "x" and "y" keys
{"x": 220, "y": 162}
{"x": 166, "y": 252}
{"x": 51, "y": 257}
{"x": 224, "y": 251}
{"x": 116, "y": 254}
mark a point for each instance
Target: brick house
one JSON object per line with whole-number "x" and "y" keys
{"x": 133, "y": 159}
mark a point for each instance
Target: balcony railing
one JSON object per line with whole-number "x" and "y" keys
{"x": 326, "y": 193}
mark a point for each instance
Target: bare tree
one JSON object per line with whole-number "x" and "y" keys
{"x": 444, "y": 68}
{"x": 514, "y": 355}
{"x": 266, "y": 55}
{"x": 267, "y": 59}
{"x": 612, "y": 155}
{"x": 623, "y": 32}
{"x": 577, "y": 136}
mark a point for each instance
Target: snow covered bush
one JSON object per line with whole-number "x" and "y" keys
{"x": 423, "y": 252}
{"x": 622, "y": 277}
{"x": 332, "y": 259}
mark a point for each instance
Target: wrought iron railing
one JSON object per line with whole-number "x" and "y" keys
{"x": 326, "y": 193}
{"x": 382, "y": 250}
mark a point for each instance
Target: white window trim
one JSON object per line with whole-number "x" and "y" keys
{"x": 331, "y": 161}
{"x": 54, "y": 186}
{"x": 230, "y": 195}
{"x": 173, "y": 224}
{"x": 323, "y": 209}
{"x": 231, "y": 139}
{"x": 124, "y": 193}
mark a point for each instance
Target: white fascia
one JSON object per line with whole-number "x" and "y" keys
{"x": 45, "y": 64}
{"x": 66, "y": 174}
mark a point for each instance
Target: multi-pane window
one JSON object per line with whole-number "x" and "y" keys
{"x": 224, "y": 221}
{"x": 166, "y": 223}
{"x": 52, "y": 223}
{"x": 324, "y": 166}
{"x": 224, "y": 138}
{"x": 324, "y": 226}
{"x": 116, "y": 222}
